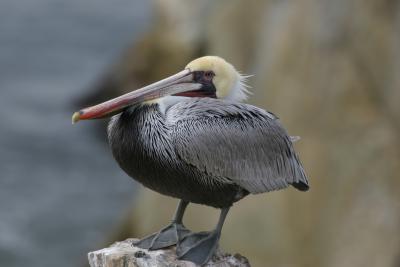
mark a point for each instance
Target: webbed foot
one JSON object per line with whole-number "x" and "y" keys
{"x": 167, "y": 236}
{"x": 198, "y": 247}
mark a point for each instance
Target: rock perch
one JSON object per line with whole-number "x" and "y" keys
{"x": 124, "y": 254}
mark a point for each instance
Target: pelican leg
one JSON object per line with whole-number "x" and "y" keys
{"x": 200, "y": 247}
{"x": 169, "y": 235}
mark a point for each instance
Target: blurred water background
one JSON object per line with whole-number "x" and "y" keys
{"x": 328, "y": 69}
{"x": 60, "y": 190}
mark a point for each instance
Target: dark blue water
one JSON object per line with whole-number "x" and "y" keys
{"x": 61, "y": 192}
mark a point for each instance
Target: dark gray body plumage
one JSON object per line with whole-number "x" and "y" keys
{"x": 205, "y": 150}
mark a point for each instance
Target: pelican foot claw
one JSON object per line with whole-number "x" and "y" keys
{"x": 198, "y": 247}
{"x": 167, "y": 236}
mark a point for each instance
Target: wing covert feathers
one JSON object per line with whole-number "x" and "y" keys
{"x": 238, "y": 142}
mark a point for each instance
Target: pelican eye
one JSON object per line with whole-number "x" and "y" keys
{"x": 204, "y": 77}
{"x": 208, "y": 75}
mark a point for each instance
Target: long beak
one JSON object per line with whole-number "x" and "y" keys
{"x": 175, "y": 84}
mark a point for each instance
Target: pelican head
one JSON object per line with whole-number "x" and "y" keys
{"x": 208, "y": 76}
{"x": 227, "y": 81}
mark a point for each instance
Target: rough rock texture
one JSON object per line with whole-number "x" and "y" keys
{"x": 123, "y": 254}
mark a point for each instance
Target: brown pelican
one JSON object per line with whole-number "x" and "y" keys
{"x": 189, "y": 136}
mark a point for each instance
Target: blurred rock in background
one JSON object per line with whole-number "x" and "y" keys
{"x": 331, "y": 71}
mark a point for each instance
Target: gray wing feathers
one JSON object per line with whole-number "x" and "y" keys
{"x": 236, "y": 142}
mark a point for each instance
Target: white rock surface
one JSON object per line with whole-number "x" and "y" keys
{"x": 124, "y": 254}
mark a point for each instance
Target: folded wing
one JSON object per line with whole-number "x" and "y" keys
{"x": 235, "y": 141}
